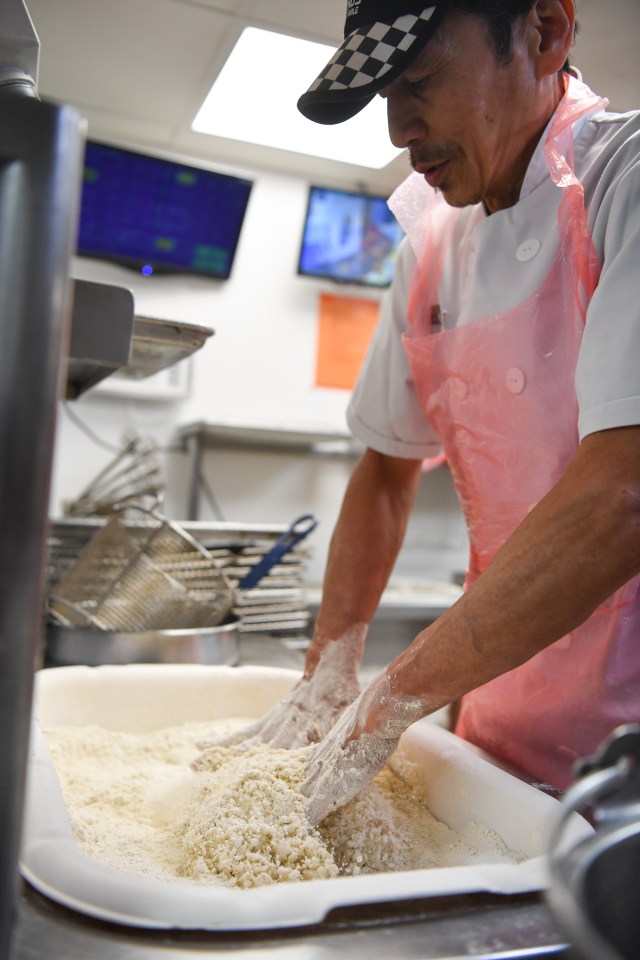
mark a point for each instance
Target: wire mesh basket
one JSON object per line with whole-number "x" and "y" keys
{"x": 133, "y": 477}
{"x": 147, "y": 574}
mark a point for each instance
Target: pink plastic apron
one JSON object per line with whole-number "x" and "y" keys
{"x": 500, "y": 393}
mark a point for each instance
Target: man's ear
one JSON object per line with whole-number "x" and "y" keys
{"x": 551, "y": 26}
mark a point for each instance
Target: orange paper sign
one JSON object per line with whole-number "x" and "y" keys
{"x": 345, "y": 327}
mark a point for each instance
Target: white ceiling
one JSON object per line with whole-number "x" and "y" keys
{"x": 139, "y": 69}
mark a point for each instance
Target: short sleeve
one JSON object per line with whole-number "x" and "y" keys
{"x": 608, "y": 371}
{"x": 384, "y": 412}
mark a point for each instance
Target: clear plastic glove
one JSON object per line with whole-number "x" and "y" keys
{"x": 311, "y": 708}
{"x": 357, "y": 747}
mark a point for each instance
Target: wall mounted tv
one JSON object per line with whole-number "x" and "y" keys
{"x": 159, "y": 216}
{"x": 349, "y": 237}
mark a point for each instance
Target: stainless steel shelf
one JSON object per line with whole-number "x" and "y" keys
{"x": 200, "y": 436}
{"x": 426, "y": 600}
{"x": 101, "y": 330}
{"x": 108, "y": 337}
{"x": 275, "y": 439}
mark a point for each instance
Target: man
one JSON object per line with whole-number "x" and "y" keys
{"x": 510, "y": 337}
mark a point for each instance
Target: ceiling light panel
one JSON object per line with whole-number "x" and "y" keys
{"x": 254, "y": 100}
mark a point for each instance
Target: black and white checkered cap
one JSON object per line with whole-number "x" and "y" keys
{"x": 382, "y": 37}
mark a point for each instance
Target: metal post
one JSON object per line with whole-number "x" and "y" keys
{"x": 41, "y": 148}
{"x": 194, "y": 451}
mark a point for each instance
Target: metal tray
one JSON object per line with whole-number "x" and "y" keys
{"x": 157, "y": 344}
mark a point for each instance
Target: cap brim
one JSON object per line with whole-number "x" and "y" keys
{"x": 366, "y": 61}
{"x": 330, "y": 108}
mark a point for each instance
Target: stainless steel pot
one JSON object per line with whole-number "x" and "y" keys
{"x": 67, "y": 646}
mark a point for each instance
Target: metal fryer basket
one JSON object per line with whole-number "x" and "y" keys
{"x": 143, "y": 575}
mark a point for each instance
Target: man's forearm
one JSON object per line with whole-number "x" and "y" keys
{"x": 365, "y": 544}
{"x": 574, "y": 550}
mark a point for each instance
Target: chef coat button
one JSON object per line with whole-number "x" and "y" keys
{"x": 515, "y": 380}
{"x": 459, "y": 389}
{"x": 528, "y": 250}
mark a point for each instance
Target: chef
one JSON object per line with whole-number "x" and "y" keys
{"x": 510, "y": 340}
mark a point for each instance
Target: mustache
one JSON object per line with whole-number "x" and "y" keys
{"x": 429, "y": 158}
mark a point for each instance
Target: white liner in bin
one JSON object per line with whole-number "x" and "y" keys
{"x": 459, "y": 786}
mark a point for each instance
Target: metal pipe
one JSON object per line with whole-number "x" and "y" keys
{"x": 19, "y": 49}
{"x": 41, "y": 151}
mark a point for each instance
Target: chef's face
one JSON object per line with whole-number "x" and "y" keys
{"x": 470, "y": 122}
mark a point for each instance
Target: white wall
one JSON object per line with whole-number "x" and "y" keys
{"x": 258, "y": 369}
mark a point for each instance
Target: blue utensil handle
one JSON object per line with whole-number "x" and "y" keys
{"x": 298, "y": 530}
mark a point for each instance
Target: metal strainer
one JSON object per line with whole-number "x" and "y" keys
{"x": 134, "y": 477}
{"x": 142, "y": 575}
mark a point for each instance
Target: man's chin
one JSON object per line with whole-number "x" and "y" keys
{"x": 457, "y": 197}
{"x": 452, "y": 197}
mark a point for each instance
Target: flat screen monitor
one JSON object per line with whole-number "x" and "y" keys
{"x": 349, "y": 238}
{"x": 159, "y": 216}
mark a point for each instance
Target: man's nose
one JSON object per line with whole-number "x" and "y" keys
{"x": 406, "y": 126}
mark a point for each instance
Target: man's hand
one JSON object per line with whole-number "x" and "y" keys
{"x": 357, "y": 747}
{"x": 316, "y": 702}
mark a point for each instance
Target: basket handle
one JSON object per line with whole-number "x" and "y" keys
{"x": 298, "y": 530}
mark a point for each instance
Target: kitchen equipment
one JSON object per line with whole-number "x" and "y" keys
{"x": 594, "y": 888}
{"x": 142, "y": 576}
{"x": 100, "y": 336}
{"x": 93, "y": 647}
{"x": 121, "y": 582}
{"x": 261, "y": 608}
{"x": 297, "y": 532}
{"x": 40, "y": 176}
{"x": 109, "y": 340}
{"x": 157, "y": 344}
{"x": 133, "y": 477}
{"x": 458, "y": 784}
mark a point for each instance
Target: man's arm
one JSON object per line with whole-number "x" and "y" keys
{"x": 579, "y": 544}
{"x": 364, "y": 545}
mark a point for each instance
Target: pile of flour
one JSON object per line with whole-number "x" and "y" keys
{"x": 238, "y": 820}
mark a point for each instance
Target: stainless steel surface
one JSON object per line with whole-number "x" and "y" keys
{"x": 19, "y": 49}
{"x": 195, "y": 458}
{"x": 271, "y": 438}
{"x": 470, "y": 928}
{"x": 141, "y": 571}
{"x": 84, "y": 645}
{"x": 68, "y": 536}
{"x": 158, "y": 344}
{"x": 108, "y": 339}
{"x": 40, "y": 167}
{"x": 278, "y": 603}
{"x": 101, "y": 330}
{"x": 421, "y": 602}
{"x": 199, "y": 436}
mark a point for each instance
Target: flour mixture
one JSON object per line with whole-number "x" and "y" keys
{"x": 239, "y": 820}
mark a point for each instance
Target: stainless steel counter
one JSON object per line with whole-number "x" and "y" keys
{"x": 408, "y": 602}
{"x": 506, "y": 929}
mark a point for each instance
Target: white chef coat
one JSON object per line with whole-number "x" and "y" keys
{"x": 500, "y": 260}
